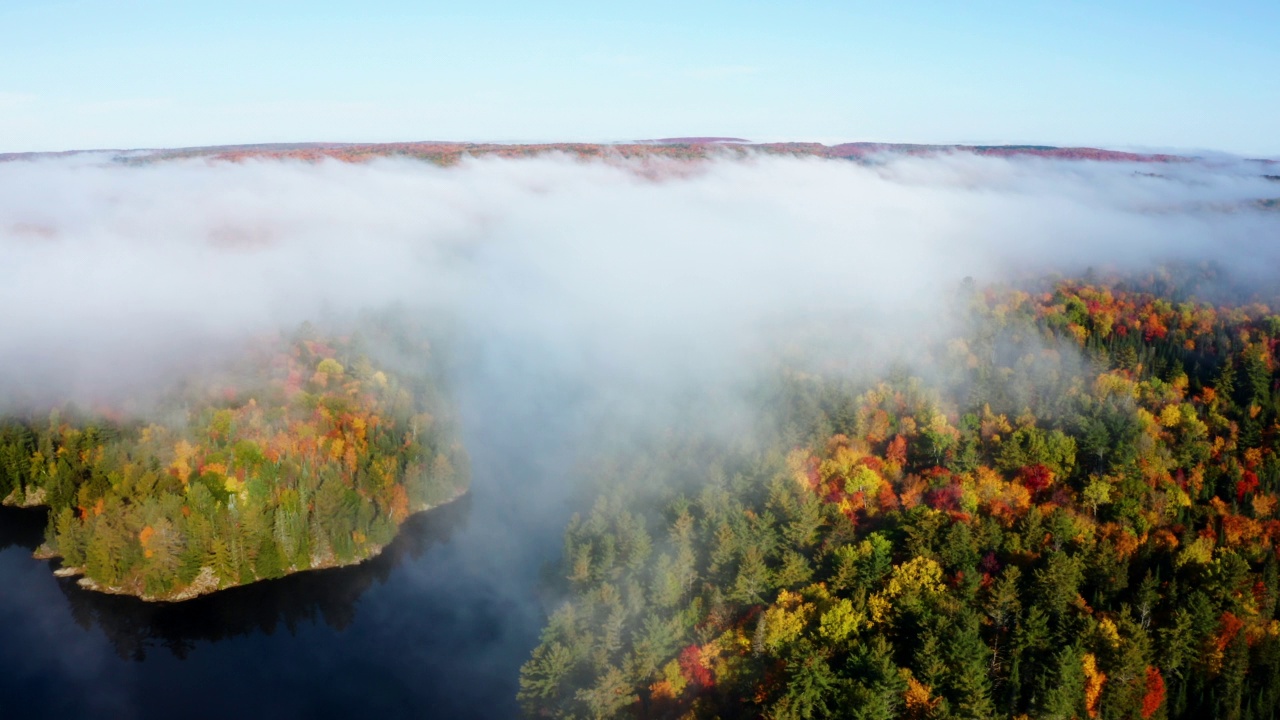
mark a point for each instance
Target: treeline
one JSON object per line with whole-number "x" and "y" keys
{"x": 1076, "y": 518}
{"x": 307, "y": 456}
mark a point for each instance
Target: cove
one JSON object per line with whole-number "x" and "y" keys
{"x": 435, "y": 626}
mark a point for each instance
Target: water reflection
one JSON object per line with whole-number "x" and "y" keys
{"x": 133, "y": 627}
{"x": 22, "y": 527}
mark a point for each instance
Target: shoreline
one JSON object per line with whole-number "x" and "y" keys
{"x": 206, "y": 581}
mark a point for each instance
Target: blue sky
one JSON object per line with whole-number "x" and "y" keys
{"x": 137, "y": 73}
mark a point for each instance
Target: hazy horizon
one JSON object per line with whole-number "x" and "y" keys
{"x": 1205, "y": 153}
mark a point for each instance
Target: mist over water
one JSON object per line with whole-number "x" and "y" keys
{"x": 436, "y": 626}
{"x": 566, "y": 294}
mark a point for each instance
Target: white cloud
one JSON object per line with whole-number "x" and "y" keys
{"x": 111, "y": 271}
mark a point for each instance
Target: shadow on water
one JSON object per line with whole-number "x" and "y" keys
{"x": 133, "y": 626}
{"x": 22, "y": 527}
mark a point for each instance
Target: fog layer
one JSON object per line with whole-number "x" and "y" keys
{"x": 113, "y": 274}
{"x": 567, "y": 290}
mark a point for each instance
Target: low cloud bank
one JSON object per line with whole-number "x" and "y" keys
{"x": 112, "y": 276}
{"x": 571, "y": 291}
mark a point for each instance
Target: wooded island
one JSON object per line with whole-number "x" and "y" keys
{"x": 306, "y": 455}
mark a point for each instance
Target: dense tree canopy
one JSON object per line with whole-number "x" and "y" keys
{"x": 306, "y": 456}
{"x": 1075, "y": 517}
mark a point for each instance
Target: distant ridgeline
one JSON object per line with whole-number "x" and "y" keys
{"x": 1075, "y": 518}
{"x": 679, "y": 149}
{"x": 310, "y": 457}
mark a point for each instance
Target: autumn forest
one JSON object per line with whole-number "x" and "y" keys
{"x": 304, "y": 456}
{"x": 746, "y": 442}
{"x": 1071, "y": 512}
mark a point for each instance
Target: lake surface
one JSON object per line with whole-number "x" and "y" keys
{"x": 435, "y": 627}
{"x": 415, "y": 632}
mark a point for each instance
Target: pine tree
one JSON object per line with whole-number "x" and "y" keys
{"x": 1063, "y": 689}
{"x": 968, "y": 676}
{"x": 877, "y": 685}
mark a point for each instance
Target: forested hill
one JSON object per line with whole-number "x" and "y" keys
{"x": 449, "y": 153}
{"x": 1076, "y": 517}
{"x": 307, "y": 455}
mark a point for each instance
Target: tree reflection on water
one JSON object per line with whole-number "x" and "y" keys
{"x": 22, "y": 527}
{"x": 133, "y": 626}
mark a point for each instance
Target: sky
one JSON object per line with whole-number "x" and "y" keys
{"x": 139, "y": 73}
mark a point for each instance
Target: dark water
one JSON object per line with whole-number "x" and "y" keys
{"x": 435, "y": 627}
